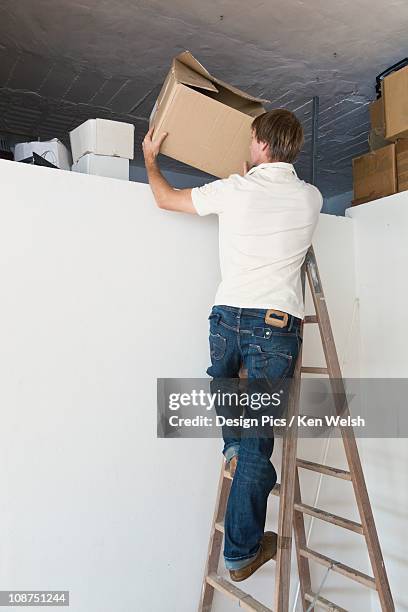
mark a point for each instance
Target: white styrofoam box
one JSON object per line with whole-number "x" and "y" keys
{"x": 51, "y": 150}
{"x": 103, "y": 165}
{"x": 103, "y": 137}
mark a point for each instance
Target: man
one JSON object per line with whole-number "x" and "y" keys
{"x": 267, "y": 218}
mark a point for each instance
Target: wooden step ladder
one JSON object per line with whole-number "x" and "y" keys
{"x": 291, "y": 508}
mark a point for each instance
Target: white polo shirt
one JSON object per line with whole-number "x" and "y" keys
{"x": 266, "y": 224}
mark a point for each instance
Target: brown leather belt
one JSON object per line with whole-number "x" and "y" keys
{"x": 277, "y": 318}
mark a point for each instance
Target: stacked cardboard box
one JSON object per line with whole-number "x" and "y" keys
{"x": 103, "y": 147}
{"x": 384, "y": 170}
{"x": 376, "y": 137}
{"x": 402, "y": 164}
{"x": 374, "y": 175}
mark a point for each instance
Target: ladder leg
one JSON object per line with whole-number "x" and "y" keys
{"x": 215, "y": 543}
{"x": 305, "y": 583}
{"x": 300, "y": 540}
{"x": 367, "y": 520}
{"x": 287, "y": 489}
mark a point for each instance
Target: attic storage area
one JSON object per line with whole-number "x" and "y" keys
{"x": 54, "y": 75}
{"x": 107, "y": 296}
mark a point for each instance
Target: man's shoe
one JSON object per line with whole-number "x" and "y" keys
{"x": 267, "y": 551}
{"x": 233, "y": 465}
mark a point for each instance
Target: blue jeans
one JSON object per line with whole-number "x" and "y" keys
{"x": 240, "y": 336}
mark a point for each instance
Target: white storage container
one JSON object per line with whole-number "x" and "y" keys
{"x": 51, "y": 150}
{"x": 103, "y": 137}
{"x": 103, "y": 165}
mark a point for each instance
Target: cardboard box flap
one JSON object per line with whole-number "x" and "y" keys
{"x": 184, "y": 74}
{"x": 189, "y": 60}
{"x": 239, "y": 92}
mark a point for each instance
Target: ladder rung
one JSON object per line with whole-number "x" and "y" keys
{"x": 330, "y": 518}
{"x": 323, "y": 469}
{"x": 313, "y": 370}
{"x": 310, "y": 319}
{"x": 324, "y": 603}
{"x": 227, "y": 588}
{"x": 334, "y": 519}
{"x": 309, "y": 465}
{"x": 338, "y": 567}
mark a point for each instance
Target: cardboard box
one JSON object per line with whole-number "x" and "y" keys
{"x": 376, "y": 136}
{"x": 376, "y": 139}
{"x": 395, "y": 91}
{"x": 401, "y": 150}
{"x": 103, "y": 137}
{"x": 376, "y": 110}
{"x": 51, "y": 150}
{"x": 374, "y": 175}
{"x": 103, "y": 165}
{"x": 208, "y": 121}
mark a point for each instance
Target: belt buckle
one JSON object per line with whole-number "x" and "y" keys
{"x": 276, "y": 322}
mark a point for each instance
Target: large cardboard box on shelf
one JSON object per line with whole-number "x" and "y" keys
{"x": 208, "y": 121}
{"x": 374, "y": 175}
{"x": 395, "y": 92}
{"x": 103, "y": 137}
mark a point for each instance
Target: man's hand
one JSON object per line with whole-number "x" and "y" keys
{"x": 165, "y": 195}
{"x": 151, "y": 149}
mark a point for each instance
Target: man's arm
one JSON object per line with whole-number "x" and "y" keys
{"x": 166, "y": 196}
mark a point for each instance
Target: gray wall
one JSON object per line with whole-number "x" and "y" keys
{"x": 337, "y": 204}
{"x": 176, "y": 179}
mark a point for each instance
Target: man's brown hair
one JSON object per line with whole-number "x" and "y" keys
{"x": 282, "y": 131}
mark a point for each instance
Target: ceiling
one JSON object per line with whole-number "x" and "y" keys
{"x": 64, "y": 62}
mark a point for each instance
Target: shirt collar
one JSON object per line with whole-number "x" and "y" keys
{"x": 272, "y": 165}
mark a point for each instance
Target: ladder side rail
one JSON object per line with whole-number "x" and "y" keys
{"x": 215, "y": 543}
{"x": 287, "y": 488}
{"x": 305, "y": 581}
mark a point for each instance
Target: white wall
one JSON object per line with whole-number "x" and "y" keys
{"x": 100, "y": 294}
{"x": 382, "y": 262}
